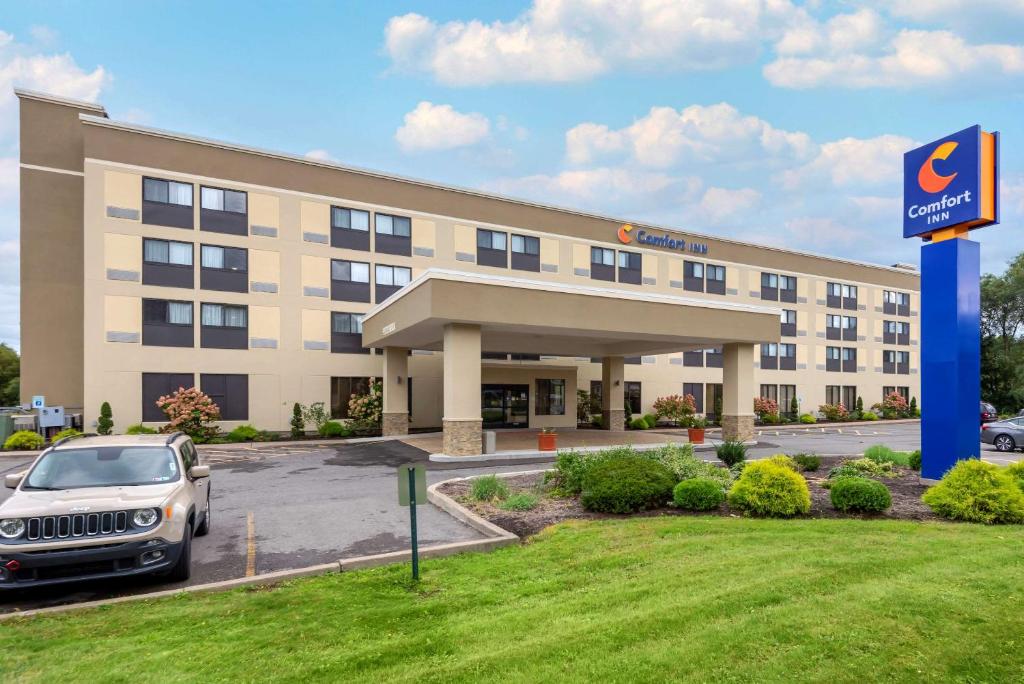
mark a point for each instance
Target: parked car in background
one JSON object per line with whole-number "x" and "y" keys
{"x": 988, "y": 413}
{"x": 1004, "y": 435}
{"x": 94, "y": 507}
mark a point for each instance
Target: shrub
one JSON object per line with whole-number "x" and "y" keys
{"x": 597, "y": 421}
{"x": 366, "y": 409}
{"x": 895, "y": 406}
{"x": 771, "y": 419}
{"x": 698, "y": 494}
{"x": 786, "y": 461}
{"x": 192, "y": 412}
{"x": 914, "y": 462}
{"x": 651, "y": 420}
{"x": 859, "y": 494}
{"x": 861, "y": 467}
{"x": 737, "y": 468}
{"x": 676, "y": 407}
{"x": 834, "y": 412}
{"x": 139, "y": 429}
{"x": 683, "y": 465}
{"x": 243, "y": 433}
{"x": 24, "y": 440}
{"x": 975, "y": 491}
{"x": 731, "y": 453}
{"x": 770, "y": 488}
{"x": 315, "y": 413}
{"x": 1016, "y": 471}
{"x": 626, "y": 485}
{"x": 105, "y": 423}
{"x": 808, "y": 419}
{"x": 333, "y": 428}
{"x": 524, "y": 501}
{"x": 807, "y": 462}
{"x": 765, "y": 407}
{"x": 879, "y": 453}
{"x": 859, "y": 408}
{"x": 914, "y": 411}
{"x": 298, "y": 423}
{"x": 868, "y": 416}
{"x": 488, "y": 488}
{"x": 638, "y": 424}
{"x": 66, "y": 432}
{"x": 794, "y": 407}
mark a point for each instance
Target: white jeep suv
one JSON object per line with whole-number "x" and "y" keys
{"x": 94, "y": 507}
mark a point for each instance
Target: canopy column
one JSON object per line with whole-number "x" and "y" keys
{"x": 738, "y": 392}
{"x": 461, "y": 421}
{"x": 613, "y": 404}
{"x": 395, "y": 387}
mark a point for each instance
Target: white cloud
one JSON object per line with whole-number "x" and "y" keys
{"x": 665, "y": 137}
{"x": 721, "y": 204}
{"x": 440, "y": 127}
{"x": 841, "y": 33}
{"x": 569, "y": 40}
{"x": 854, "y": 161}
{"x": 320, "y": 155}
{"x": 946, "y": 10}
{"x": 912, "y": 59}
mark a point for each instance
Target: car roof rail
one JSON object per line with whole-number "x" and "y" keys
{"x": 173, "y": 436}
{"x": 70, "y": 437}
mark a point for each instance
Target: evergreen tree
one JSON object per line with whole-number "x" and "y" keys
{"x": 105, "y": 424}
{"x": 298, "y": 423}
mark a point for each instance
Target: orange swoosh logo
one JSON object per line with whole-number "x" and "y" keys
{"x": 624, "y": 236}
{"x": 926, "y": 176}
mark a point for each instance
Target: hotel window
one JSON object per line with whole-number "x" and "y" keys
{"x": 223, "y": 268}
{"x": 693, "y": 359}
{"x": 832, "y": 360}
{"x": 770, "y": 356}
{"x": 602, "y": 264}
{"x": 631, "y": 391}
{"x": 596, "y": 394}
{"x": 224, "y": 326}
{"x": 841, "y": 296}
{"x": 715, "y": 276}
{"x": 770, "y": 286}
{"x": 788, "y": 317}
{"x": 849, "y": 396}
{"x": 393, "y": 234}
{"x": 833, "y": 395}
{"x": 787, "y": 393}
{"x": 390, "y": 279}
{"x": 895, "y": 303}
{"x": 713, "y": 357}
{"x": 347, "y": 333}
{"x": 787, "y": 289}
{"x": 695, "y": 390}
{"x": 896, "y": 332}
{"x": 223, "y": 211}
{"x": 693, "y": 276}
{"x": 902, "y": 391}
{"x": 903, "y": 363}
{"x": 769, "y": 392}
{"x": 156, "y": 385}
{"x": 550, "y": 398}
{"x": 167, "y": 203}
{"x": 229, "y": 392}
{"x": 525, "y": 253}
{"x": 630, "y": 268}
{"x": 350, "y": 281}
{"x": 849, "y": 360}
{"x": 342, "y": 390}
{"x": 833, "y": 327}
{"x": 491, "y": 248}
{"x": 849, "y": 328}
{"x": 787, "y": 356}
{"x": 167, "y": 323}
{"x": 167, "y": 263}
{"x": 350, "y": 228}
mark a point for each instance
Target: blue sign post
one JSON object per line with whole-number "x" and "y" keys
{"x": 949, "y": 188}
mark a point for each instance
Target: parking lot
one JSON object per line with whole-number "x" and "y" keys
{"x": 290, "y": 506}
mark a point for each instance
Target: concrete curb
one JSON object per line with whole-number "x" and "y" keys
{"x": 852, "y": 423}
{"x": 496, "y": 538}
{"x": 550, "y": 455}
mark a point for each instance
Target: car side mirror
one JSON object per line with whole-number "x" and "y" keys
{"x": 199, "y": 471}
{"x": 13, "y": 480}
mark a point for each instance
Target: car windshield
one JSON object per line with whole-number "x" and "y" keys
{"x": 103, "y": 467}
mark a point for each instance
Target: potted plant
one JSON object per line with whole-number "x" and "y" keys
{"x": 695, "y": 429}
{"x": 546, "y": 439}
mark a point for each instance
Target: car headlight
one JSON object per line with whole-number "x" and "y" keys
{"x": 12, "y": 528}
{"x": 144, "y": 517}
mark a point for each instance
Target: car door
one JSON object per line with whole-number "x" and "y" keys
{"x": 190, "y": 457}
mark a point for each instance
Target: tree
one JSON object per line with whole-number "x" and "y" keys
{"x": 10, "y": 370}
{"x": 298, "y": 423}
{"x": 105, "y": 424}
{"x": 1002, "y": 327}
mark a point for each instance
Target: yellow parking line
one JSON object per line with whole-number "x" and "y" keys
{"x": 250, "y": 545}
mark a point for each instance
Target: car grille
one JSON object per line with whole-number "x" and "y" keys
{"x": 77, "y": 525}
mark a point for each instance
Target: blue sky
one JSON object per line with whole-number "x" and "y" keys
{"x": 773, "y": 121}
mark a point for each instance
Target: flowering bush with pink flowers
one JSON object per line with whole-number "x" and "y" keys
{"x": 834, "y": 412}
{"x": 190, "y": 411}
{"x": 365, "y": 409}
{"x": 675, "y": 407}
{"x": 763, "y": 406}
{"x": 894, "y": 406}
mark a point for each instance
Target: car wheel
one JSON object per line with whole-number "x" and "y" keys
{"x": 182, "y": 570}
{"x": 204, "y": 528}
{"x": 1004, "y": 443}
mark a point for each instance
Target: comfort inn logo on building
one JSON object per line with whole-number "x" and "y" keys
{"x": 625, "y": 234}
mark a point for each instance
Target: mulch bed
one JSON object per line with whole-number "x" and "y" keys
{"x": 906, "y": 502}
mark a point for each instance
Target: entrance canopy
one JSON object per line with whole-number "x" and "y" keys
{"x": 561, "y": 319}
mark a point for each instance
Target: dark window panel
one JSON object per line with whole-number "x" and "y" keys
{"x": 631, "y": 276}
{"x": 229, "y": 392}
{"x": 850, "y": 334}
{"x": 713, "y": 358}
{"x": 350, "y": 239}
{"x": 223, "y": 280}
{"x": 693, "y": 359}
{"x": 602, "y": 272}
{"x": 347, "y": 343}
{"x": 787, "y": 296}
{"x": 526, "y": 262}
{"x": 696, "y": 390}
{"x": 212, "y": 337}
{"x": 228, "y": 222}
{"x": 348, "y": 291}
{"x": 498, "y": 258}
{"x": 168, "y": 275}
{"x": 173, "y": 215}
{"x": 393, "y": 244}
{"x": 156, "y": 385}
{"x": 382, "y": 292}
{"x": 787, "y": 363}
{"x": 632, "y": 360}
{"x": 788, "y": 330}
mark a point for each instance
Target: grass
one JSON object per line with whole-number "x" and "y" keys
{"x": 879, "y": 453}
{"x": 647, "y": 599}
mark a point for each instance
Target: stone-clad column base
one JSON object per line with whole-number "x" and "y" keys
{"x": 393, "y": 424}
{"x": 737, "y": 428}
{"x": 613, "y": 419}
{"x": 463, "y": 437}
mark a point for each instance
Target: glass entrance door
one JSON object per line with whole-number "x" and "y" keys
{"x": 505, "y": 406}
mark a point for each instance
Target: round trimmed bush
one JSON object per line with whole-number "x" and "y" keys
{"x": 975, "y": 491}
{"x": 333, "y": 428}
{"x": 638, "y": 424}
{"x": 626, "y": 485}
{"x": 808, "y": 419}
{"x": 859, "y": 494}
{"x": 24, "y": 440}
{"x": 698, "y": 494}
{"x": 243, "y": 433}
{"x": 139, "y": 429}
{"x": 650, "y": 419}
{"x": 770, "y": 488}
{"x": 915, "y": 459}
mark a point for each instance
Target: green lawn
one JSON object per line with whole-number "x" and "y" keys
{"x": 655, "y": 599}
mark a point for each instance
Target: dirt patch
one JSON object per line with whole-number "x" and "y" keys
{"x": 906, "y": 502}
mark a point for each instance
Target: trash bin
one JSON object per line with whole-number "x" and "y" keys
{"x": 6, "y": 427}
{"x": 490, "y": 441}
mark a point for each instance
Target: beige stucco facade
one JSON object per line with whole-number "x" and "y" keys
{"x": 82, "y": 186}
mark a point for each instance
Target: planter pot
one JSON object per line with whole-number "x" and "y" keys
{"x": 696, "y": 435}
{"x": 546, "y": 441}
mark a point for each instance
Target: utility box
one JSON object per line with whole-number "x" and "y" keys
{"x": 51, "y": 416}
{"x": 6, "y": 427}
{"x": 490, "y": 441}
{"x": 24, "y": 421}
